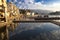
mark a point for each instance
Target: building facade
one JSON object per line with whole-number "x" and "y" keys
{"x": 13, "y": 10}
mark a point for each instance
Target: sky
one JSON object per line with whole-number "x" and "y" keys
{"x": 53, "y": 5}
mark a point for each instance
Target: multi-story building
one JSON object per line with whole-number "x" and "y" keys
{"x": 8, "y": 13}
{"x": 3, "y": 10}
{"x": 13, "y": 10}
{"x": 3, "y": 20}
{"x": 14, "y": 14}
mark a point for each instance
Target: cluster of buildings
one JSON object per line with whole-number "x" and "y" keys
{"x": 8, "y": 13}
{"x": 13, "y": 10}
{"x": 28, "y": 13}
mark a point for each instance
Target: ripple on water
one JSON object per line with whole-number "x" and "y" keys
{"x": 36, "y": 30}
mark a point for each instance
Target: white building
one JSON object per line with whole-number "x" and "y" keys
{"x": 28, "y": 13}
{"x": 33, "y": 13}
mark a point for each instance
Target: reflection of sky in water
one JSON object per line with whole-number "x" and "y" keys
{"x": 26, "y": 30}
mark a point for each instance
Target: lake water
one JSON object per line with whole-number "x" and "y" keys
{"x": 36, "y": 31}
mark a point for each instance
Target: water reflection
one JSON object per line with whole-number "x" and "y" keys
{"x": 36, "y": 31}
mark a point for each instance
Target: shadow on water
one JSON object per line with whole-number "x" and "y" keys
{"x": 36, "y": 31}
